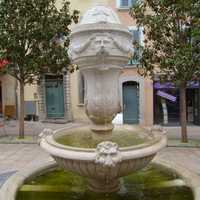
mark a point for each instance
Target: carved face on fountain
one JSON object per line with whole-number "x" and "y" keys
{"x": 102, "y": 43}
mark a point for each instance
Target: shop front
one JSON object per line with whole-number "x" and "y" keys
{"x": 167, "y": 101}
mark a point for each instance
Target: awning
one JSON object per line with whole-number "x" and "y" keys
{"x": 168, "y": 85}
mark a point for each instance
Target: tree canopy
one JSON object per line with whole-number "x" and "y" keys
{"x": 34, "y": 40}
{"x": 172, "y": 39}
{"x": 30, "y": 34}
{"x": 172, "y": 44}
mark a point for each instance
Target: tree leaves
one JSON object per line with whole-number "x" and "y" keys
{"x": 27, "y": 29}
{"x": 172, "y": 34}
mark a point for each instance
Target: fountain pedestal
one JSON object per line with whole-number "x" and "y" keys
{"x": 101, "y": 101}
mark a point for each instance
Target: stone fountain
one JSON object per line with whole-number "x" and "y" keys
{"x": 100, "y": 46}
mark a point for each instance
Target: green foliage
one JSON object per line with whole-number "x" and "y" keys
{"x": 172, "y": 39}
{"x": 34, "y": 37}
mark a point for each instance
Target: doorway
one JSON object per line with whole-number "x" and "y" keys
{"x": 130, "y": 102}
{"x": 54, "y": 96}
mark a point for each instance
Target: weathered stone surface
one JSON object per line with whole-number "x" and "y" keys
{"x": 100, "y": 46}
{"x": 104, "y": 165}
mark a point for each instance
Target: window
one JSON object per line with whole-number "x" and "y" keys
{"x": 125, "y": 4}
{"x": 138, "y": 37}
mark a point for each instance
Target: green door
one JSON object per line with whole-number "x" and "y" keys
{"x": 130, "y": 103}
{"x": 54, "y": 97}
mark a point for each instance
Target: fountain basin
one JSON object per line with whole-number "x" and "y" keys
{"x": 103, "y": 165}
{"x": 152, "y": 182}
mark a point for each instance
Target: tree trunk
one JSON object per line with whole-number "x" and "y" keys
{"x": 183, "y": 114}
{"x": 21, "y": 111}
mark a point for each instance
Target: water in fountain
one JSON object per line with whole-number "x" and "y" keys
{"x": 124, "y": 136}
{"x": 151, "y": 183}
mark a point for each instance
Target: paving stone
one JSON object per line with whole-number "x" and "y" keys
{"x": 5, "y": 176}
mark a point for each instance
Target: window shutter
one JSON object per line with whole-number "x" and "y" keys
{"x": 136, "y": 39}
{"x": 136, "y": 35}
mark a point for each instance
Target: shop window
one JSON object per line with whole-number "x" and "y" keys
{"x": 138, "y": 39}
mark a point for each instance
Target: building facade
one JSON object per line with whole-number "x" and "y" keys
{"x": 143, "y": 101}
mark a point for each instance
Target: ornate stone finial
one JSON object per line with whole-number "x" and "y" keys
{"x": 100, "y": 13}
{"x": 107, "y": 154}
{"x": 45, "y": 133}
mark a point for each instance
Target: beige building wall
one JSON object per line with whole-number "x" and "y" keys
{"x": 31, "y": 94}
{"x": 8, "y": 85}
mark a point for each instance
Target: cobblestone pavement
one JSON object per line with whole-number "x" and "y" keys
{"x": 174, "y": 132}
{"x": 34, "y": 128}
{"x": 14, "y": 157}
{"x": 31, "y": 127}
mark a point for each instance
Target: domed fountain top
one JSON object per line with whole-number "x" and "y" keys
{"x": 100, "y": 14}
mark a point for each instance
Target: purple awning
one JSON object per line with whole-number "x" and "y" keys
{"x": 167, "y": 85}
{"x": 159, "y": 85}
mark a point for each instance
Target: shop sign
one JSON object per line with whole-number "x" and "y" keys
{"x": 166, "y": 95}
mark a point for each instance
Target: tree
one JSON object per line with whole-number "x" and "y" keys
{"x": 34, "y": 37}
{"x": 172, "y": 44}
